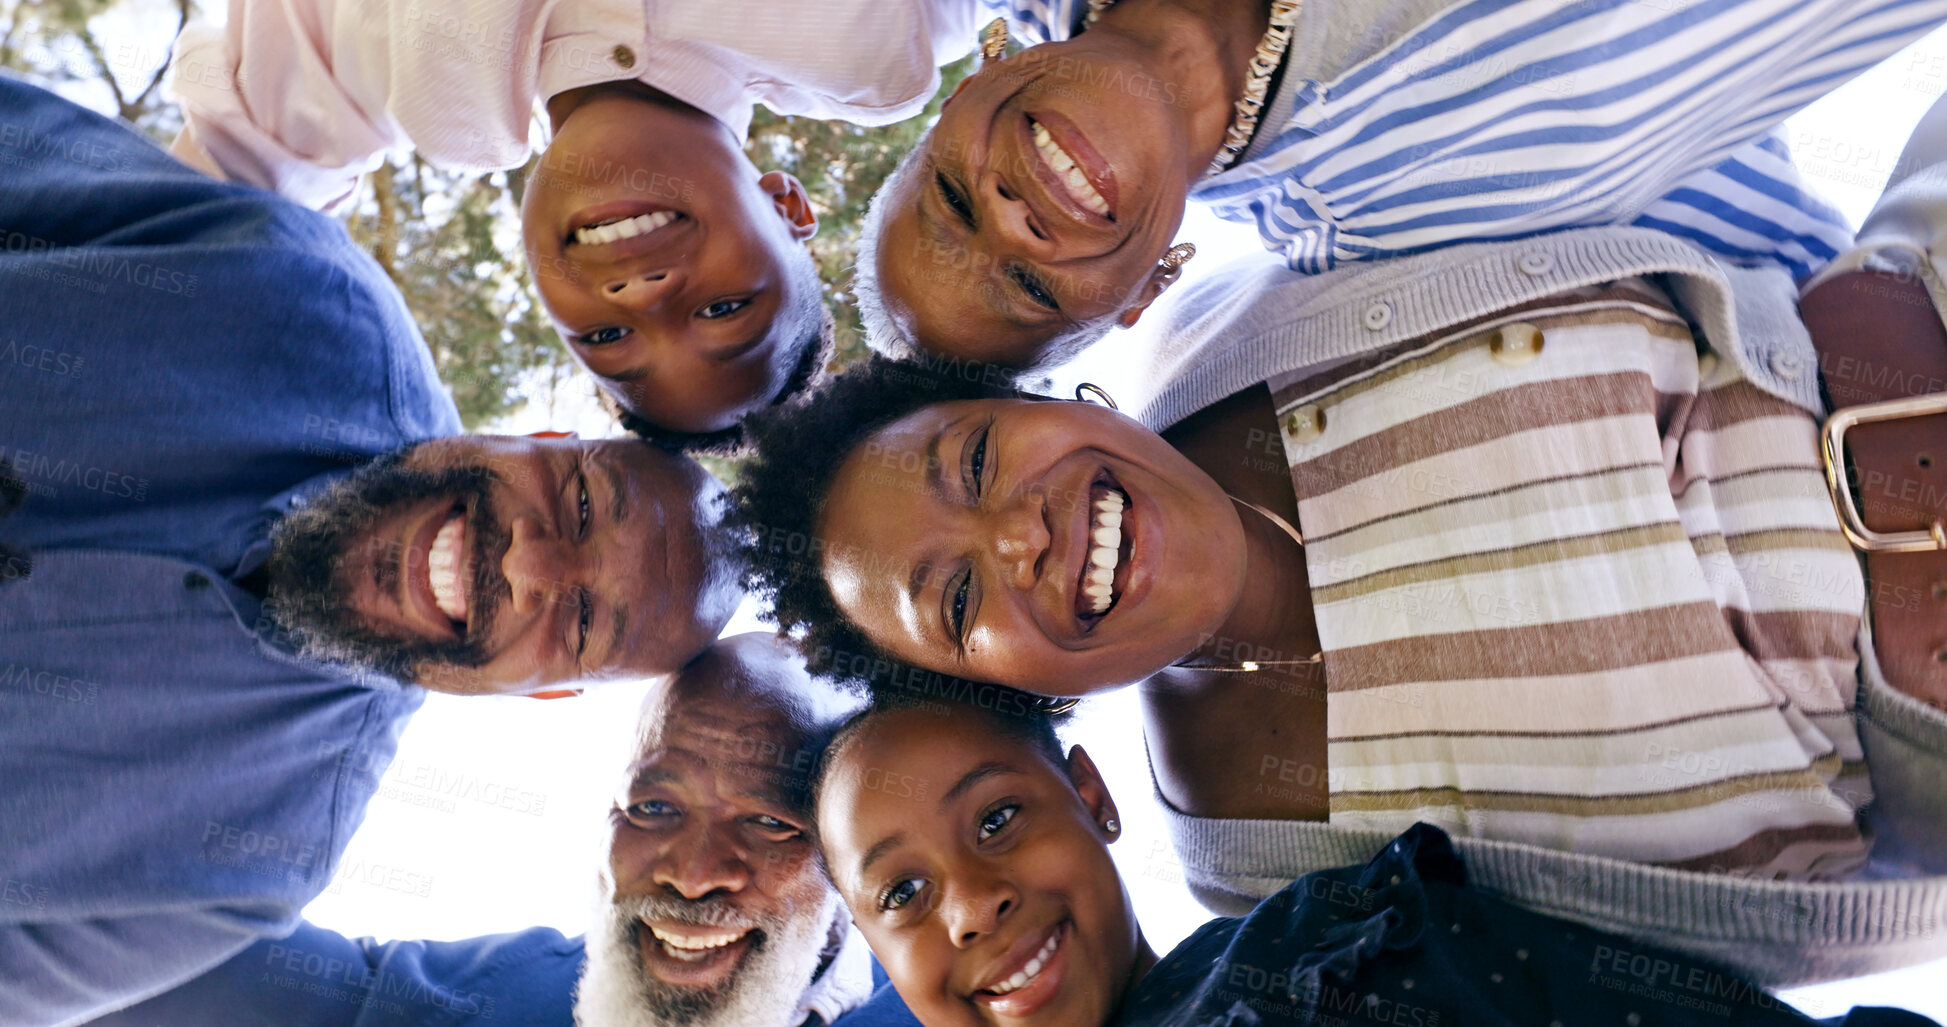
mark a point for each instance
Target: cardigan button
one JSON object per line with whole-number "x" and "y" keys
{"x": 1516, "y": 344}
{"x": 1378, "y": 316}
{"x": 623, "y": 56}
{"x": 1536, "y": 263}
{"x": 1787, "y": 366}
{"x": 1304, "y": 424}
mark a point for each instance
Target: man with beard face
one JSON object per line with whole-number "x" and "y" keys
{"x": 254, "y": 535}
{"x": 712, "y": 909}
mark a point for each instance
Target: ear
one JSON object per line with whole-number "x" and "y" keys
{"x": 1094, "y": 792}
{"x": 793, "y": 204}
{"x": 552, "y": 435}
{"x": 558, "y": 693}
{"x": 1160, "y": 278}
{"x": 964, "y": 83}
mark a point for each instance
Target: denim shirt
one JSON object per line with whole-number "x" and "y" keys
{"x": 181, "y": 361}
{"x": 1404, "y": 941}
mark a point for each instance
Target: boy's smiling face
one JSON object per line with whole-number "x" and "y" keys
{"x": 979, "y": 871}
{"x": 675, "y": 272}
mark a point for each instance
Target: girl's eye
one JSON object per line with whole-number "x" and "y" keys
{"x": 603, "y": 336}
{"x": 993, "y": 820}
{"x": 722, "y": 309}
{"x": 900, "y": 893}
{"x": 954, "y": 201}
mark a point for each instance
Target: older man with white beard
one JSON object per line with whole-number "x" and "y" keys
{"x": 713, "y": 909}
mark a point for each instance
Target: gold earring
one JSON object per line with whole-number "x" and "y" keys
{"x": 1083, "y": 391}
{"x": 993, "y": 41}
{"x": 1176, "y": 256}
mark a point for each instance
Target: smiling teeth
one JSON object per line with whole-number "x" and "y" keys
{"x": 443, "y": 565}
{"x": 627, "y": 228}
{"x": 693, "y": 947}
{"x": 1105, "y": 538}
{"x": 1029, "y": 972}
{"x": 1064, "y": 168}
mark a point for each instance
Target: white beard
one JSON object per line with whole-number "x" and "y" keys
{"x": 764, "y": 992}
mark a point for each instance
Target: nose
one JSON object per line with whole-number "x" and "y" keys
{"x": 539, "y": 568}
{"x": 1013, "y": 220}
{"x": 700, "y": 861}
{"x": 977, "y": 908}
{"x": 1021, "y": 539}
{"x": 643, "y": 292}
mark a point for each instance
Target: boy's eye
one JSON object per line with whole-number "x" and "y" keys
{"x": 650, "y": 809}
{"x": 901, "y": 893}
{"x": 722, "y": 309}
{"x": 954, "y": 201}
{"x": 603, "y": 336}
{"x": 992, "y": 821}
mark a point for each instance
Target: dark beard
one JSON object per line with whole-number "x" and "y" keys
{"x": 309, "y": 598}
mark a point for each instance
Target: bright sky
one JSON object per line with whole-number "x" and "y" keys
{"x": 491, "y": 817}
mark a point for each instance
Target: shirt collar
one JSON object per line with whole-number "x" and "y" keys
{"x": 843, "y": 987}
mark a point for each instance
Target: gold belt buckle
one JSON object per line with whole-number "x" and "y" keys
{"x": 1832, "y": 455}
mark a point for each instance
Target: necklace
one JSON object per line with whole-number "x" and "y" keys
{"x": 1264, "y": 64}
{"x": 1247, "y": 666}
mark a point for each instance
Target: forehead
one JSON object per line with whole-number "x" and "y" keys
{"x": 715, "y": 747}
{"x": 945, "y": 294}
{"x": 891, "y": 776}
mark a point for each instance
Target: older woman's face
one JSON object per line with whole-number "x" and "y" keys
{"x": 979, "y": 873}
{"x": 1044, "y": 198}
{"x": 1057, "y": 547}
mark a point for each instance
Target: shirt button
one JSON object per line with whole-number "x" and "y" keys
{"x": 1304, "y": 424}
{"x": 1517, "y": 344}
{"x": 1378, "y": 316}
{"x": 624, "y": 56}
{"x": 1788, "y": 366}
{"x": 1536, "y": 263}
{"x": 195, "y": 580}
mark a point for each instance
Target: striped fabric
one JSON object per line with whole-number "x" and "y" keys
{"x": 1595, "y": 602}
{"x": 1508, "y": 117}
{"x": 1501, "y": 118}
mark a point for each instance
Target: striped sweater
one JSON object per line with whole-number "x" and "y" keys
{"x": 1591, "y": 598}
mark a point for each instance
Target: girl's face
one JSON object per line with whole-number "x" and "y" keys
{"x": 1060, "y": 548}
{"x": 979, "y": 872}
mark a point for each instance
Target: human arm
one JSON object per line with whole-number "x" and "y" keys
{"x": 319, "y": 978}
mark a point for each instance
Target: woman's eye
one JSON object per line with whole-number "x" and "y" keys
{"x": 603, "y": 336}
{"x": 900, "y": 893}
{"x": 957, "y": 613}
{"x": 993, "y": 820}
{"x": 978, "y": 462}
{"x": 954, "y": 201}
{"x": 1032, "y": 286}
{"x": 722, "y": 309}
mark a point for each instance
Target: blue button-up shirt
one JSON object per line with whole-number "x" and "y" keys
{"x": 181, "y": 361}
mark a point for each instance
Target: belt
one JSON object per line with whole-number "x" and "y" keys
{"x": 1883, "y": 361}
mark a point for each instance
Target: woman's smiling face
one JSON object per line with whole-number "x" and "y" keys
{"x": 979, "y": 872}
{"x": 979, "y": 539}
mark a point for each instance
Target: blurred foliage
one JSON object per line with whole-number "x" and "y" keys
{"x": 451, "y": 241}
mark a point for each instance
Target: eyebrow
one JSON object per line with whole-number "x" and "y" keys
{"x": 620, "y": 630}
{"x": 618, "y": 510}
{"x": 634, "y": 374}
{"x": 649, "y": 778}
